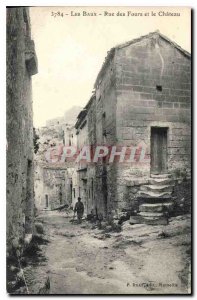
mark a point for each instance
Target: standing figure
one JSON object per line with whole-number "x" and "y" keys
{"x": 79, "y": 208}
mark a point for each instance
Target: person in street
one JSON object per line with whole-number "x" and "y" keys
{"x": 79, "y": 208}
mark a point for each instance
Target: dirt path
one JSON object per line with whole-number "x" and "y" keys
{"x": 138, "y": 260}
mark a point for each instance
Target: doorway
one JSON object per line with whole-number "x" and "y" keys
{"x": 159, "y": 150}
{"x": 29, "y": 198}
{"x": 46, "y": 201}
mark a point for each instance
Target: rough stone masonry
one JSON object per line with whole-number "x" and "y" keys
{"x": 142, "y": 96}
{"x": 21, "y": 65}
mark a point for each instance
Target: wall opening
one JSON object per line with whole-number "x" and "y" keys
{"x": 29, "y": 198}
{"x": 79, "y": 191}
{"x": 159, "y": 150}
{"x": 159, "y": 88}
{"x": 60, "y": 194}
{"x": 46, "y": 201}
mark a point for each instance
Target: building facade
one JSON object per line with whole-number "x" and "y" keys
{"x": 142, "y": 100}
{"x": 53, "y": 177}
{"x": 21, "y": 65}
{"x": 84, "y": 176}
{"x": 141, "y": 105}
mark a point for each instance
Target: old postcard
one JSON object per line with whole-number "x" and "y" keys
{"x": 99, "y": 150}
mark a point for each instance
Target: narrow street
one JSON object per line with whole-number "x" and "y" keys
{"x": 81, "y": 259}
{"x": 98, "y": 123}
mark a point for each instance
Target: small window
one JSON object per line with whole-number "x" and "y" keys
{"x": 159, "y": 88}
{"x": 74, "y": 192}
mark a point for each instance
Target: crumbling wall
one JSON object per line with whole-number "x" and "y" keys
{"x": 182, "y": 196}
{"x": 54, "y": 187}
{"x": 52, "y": 138}
{"x": 38, "y": 187}
{"x": 21, "y": 65}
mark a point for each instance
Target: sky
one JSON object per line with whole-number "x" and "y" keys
{"x": 72, "y": 49}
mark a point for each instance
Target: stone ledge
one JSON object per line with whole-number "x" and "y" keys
{"x": 136, "y": 182}
{"x": 141, "y": 220}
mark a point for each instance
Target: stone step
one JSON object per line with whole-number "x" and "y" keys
{"x": 151, "y": 200}
{"x": 141, "y": 220}
{"x": 160, "y": 176}
{"x": 161, "y": 181}
{"x": 152, "y": 218}
{"x": 148, "y": 207}
{"x": 150, "y": 214}
{"x": 157, "y": 188}
{"x": 156, "y": 207}
{"x": 155, "y": 194}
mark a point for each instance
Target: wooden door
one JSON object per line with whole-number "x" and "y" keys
{"x": 158, "y": 150}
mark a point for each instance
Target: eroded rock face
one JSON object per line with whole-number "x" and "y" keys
{"x": 21, "y": 64}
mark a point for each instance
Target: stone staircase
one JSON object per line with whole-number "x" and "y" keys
{"x": 155, "y": 200}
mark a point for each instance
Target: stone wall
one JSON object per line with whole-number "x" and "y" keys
{"x": 54, "y": 187}
{"x": 84, "y": 179}
{"x": 49, "y": 137}
{"x": 153, "y": 90}
{"x": 75, "y": 186}
{"x": 91, "y": 180}
{"x": 69, "y": 135}
{"x": 38, "y": 186}
{"x": 182, "y": 196}
{"x": 82, "y": 165}
{"x": 106, "y": 135}
{"x": 142, "y": 84}
{"x": 59, "y": 191}
{"x": 21, "y": 65}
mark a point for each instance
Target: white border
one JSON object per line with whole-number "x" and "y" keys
{"x": 3, "y": 5}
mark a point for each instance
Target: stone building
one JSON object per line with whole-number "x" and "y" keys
{"x": 85, "y": 172}
{"x": 21, "y": 65}
{"x": 50, "y": 186}
{"x": 53, "y": 178}
{"x": 142, "y": 99}
{"x": 49, "y": 183}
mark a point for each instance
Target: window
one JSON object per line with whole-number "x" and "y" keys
{"x": 159, "y": 88}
